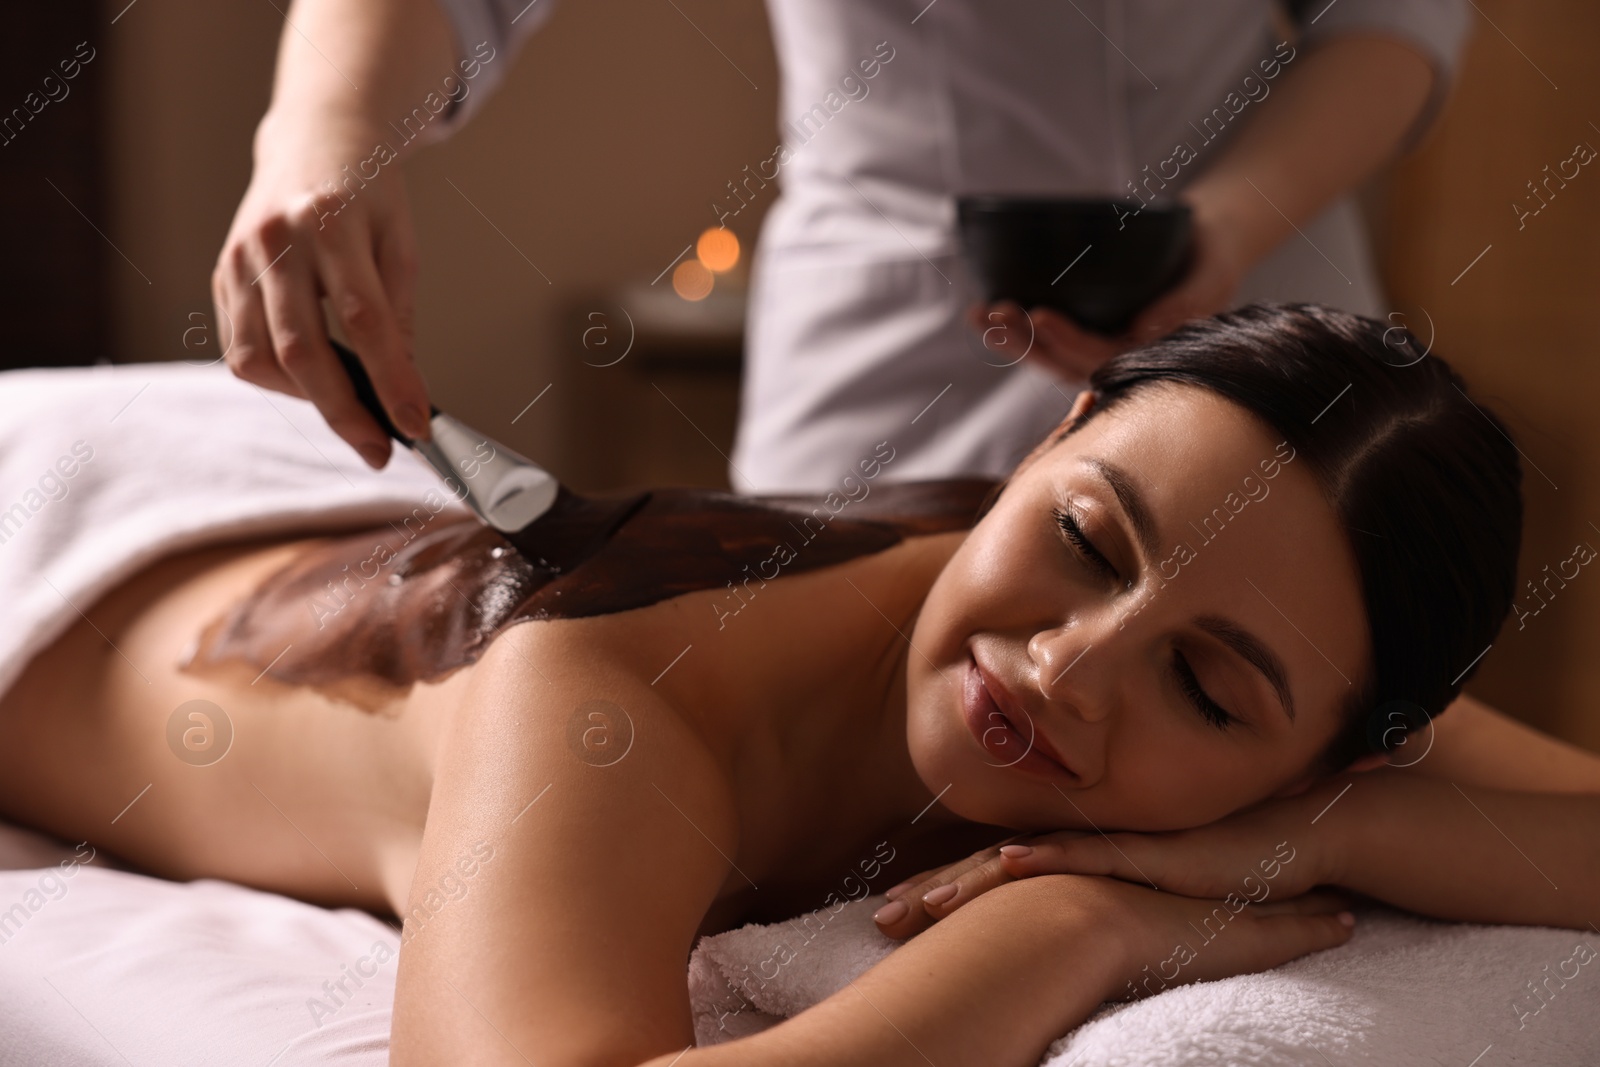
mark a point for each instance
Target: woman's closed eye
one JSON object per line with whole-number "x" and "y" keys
{"x": 1074, "y": 534}
{"x": 1189, "y": 683}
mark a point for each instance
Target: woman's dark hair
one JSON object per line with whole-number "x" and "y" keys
{"x": 1425, "y": 481}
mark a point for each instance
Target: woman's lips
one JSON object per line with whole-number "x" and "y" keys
{"x": 1008, "y": 743}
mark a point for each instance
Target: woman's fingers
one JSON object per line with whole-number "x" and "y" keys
{"x": 1181, "y": 939}
{"x": 894, "y": 891}
{"x": 1288, "y": 937}
{"x": 1316, "y": 902}
{"x": 923, "y": 899}
{"x": 1072, "y": 852}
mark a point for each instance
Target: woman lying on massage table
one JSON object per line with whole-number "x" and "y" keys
{"x": 1174, "y": 656}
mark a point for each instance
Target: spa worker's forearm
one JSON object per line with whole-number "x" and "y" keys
{"x": 1338, "y": 112}
{"x": 347, "y": 67}
{"x": 1468, "y": 853}
{"x": 990, "y": 987}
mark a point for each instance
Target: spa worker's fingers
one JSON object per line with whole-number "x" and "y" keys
{"x": 1216, "y": 266}
{"x": 373, "y": 301}
{"x": 297, "y": 238}
{"x": 1009, "y": 334}
{"x": 1070, "y": 349}
{"x": 300, "y": 346}
{"x": 241, "y": 317}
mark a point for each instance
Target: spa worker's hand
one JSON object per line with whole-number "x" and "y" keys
{"x": 1216, "y": 265}
{"x": 326, "y": 217}
{"x": 1273, "y": 850}
{"x": 1339, "y": 111}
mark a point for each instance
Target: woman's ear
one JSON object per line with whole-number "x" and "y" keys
{"x": 1080, "y": 407}
{"x": 1371, "y": 761}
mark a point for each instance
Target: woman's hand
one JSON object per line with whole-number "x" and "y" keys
{"x": 1216, "y": 266}
{"x": 325, "y": 216}
{"x": 1273, "y": 850}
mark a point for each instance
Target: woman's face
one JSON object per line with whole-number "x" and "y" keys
{"x": 1165, "y": 601}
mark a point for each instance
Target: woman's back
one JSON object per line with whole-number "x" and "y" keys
{"x": 270, "y": 712}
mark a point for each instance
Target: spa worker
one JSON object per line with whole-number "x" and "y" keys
{"x": 864, "y": 325}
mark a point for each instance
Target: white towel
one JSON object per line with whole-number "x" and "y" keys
{"x": 1402, "y": 991}
{"x": 105, "y": 470}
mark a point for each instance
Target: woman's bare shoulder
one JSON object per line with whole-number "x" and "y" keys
{"x": 610, "y": 830}
{"x": 1476, "y": 744}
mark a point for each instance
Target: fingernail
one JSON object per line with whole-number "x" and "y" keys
{"x": 409, "y": 418}
{"x": 375, "y": 455}
{"x": 892, "y": 912}
{"x": 895, "y": 890}
{"x": 1016, "y": 852}
{"x": 940, "y": 895}
{"x": 1347, "y": 918}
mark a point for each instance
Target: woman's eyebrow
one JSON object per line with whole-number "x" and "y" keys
{"x": 1132, "y": 502}
{"x": 1255, "y": 652}
{"x": 1251, "y": 648}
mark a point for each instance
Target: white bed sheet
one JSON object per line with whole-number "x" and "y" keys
{"x": 102, "y": 967}
{"x": 110, "y": 968}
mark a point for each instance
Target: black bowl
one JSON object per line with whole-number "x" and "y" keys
{"x": 1092, "y": 259}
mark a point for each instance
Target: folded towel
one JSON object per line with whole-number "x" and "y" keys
{"x": 1402, "y": 991}
{"x": 101, "y": 476}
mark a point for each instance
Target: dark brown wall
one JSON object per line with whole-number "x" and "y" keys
{"x": 53, "y": 264}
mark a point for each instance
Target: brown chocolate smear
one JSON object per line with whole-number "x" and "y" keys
{"x": 365, "y": 616}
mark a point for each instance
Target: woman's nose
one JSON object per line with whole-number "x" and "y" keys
{"x": 1068, "y": 672}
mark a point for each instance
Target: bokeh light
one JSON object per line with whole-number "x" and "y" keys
{"x": 718, "y": 249}
{"x": 692, "y": 281}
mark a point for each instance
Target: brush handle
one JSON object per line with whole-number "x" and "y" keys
{"x": 362, "y": 383}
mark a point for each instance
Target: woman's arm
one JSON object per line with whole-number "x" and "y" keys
{"x": 1471, "y": 743}
{"x": 1497, "y": 823}
{"x": 1465, "y": 852}
{"x": 994, "y": 985}
{"x": 1492, "y": 821}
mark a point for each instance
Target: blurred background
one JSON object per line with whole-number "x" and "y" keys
{"x": 567, "y": 307}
